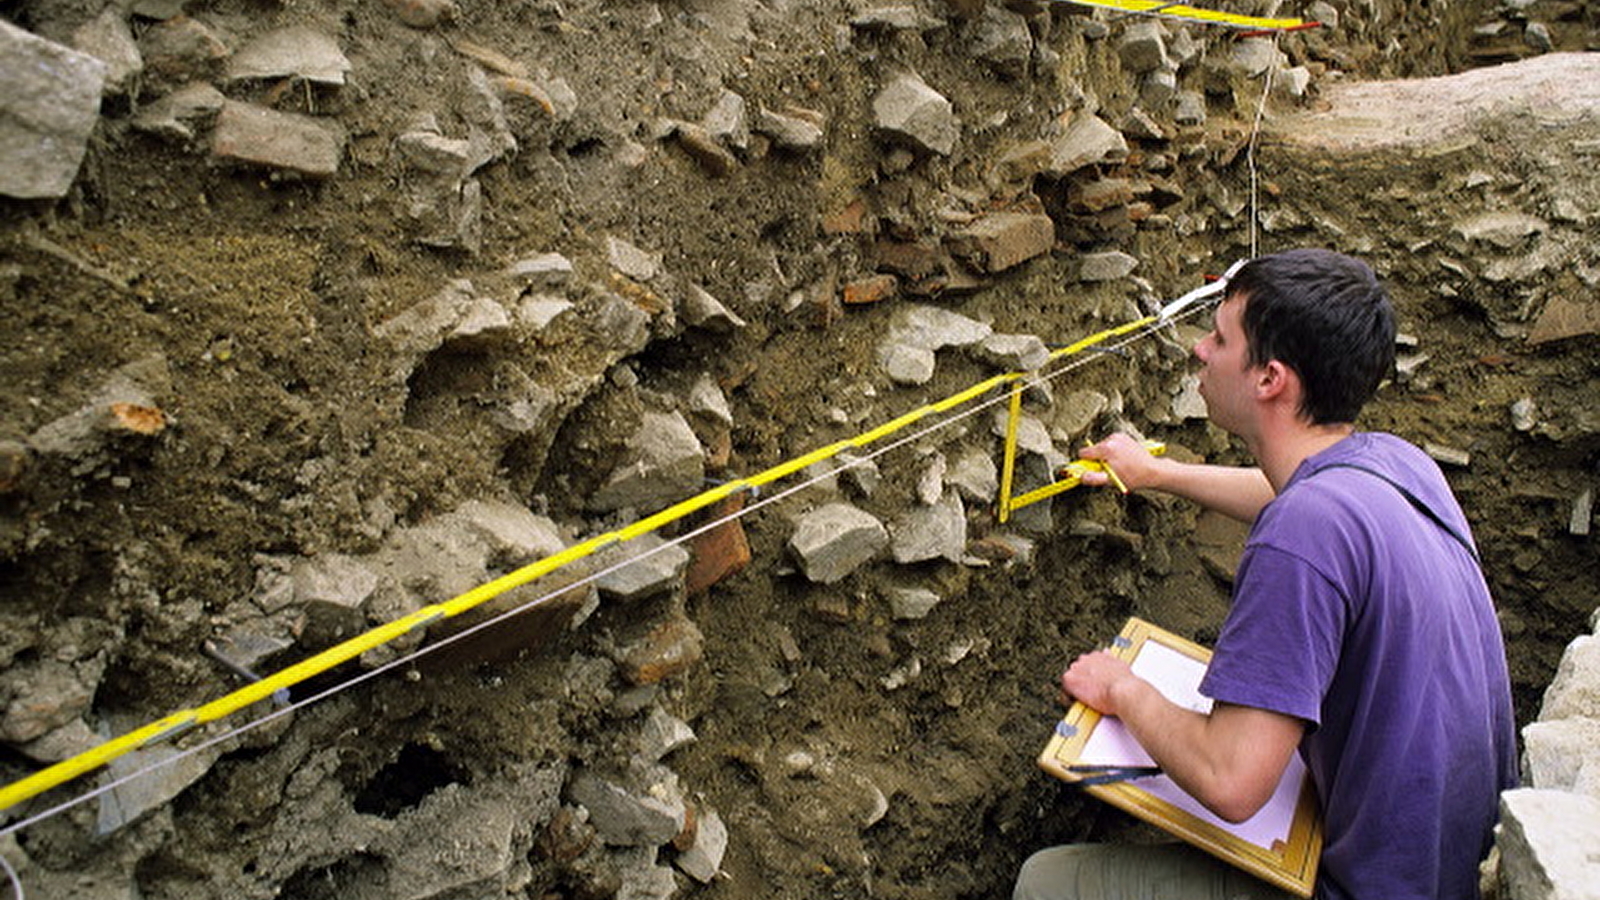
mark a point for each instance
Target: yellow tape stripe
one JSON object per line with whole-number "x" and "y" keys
{"x": 1192, "y": 13}
{"x": 1008, "y": 464}
{"x": 256, "y": 691}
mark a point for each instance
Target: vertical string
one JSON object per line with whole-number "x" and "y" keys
{"x": 1250, "y": 159}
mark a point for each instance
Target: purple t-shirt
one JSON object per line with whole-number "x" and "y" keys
{"x": 1354, "y": 611}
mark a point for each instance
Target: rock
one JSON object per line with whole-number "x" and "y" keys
{"x": 620, "y": 325}
{"x": 456, "y": 311}
{"x": 1077, "y": 411}
{"x": 999, "y": 241}
{"x": 1254, "y": 56}
{"x": 705, "y": 150}
{"x": 1292, "y": 82}
{"x": 435, "y": 154}
{"x": 834, "y": 540}
{"x": 164, "y": 772}
{"x": 860, "y": 472}
{"x": 934, "y": 328}
{"x": 874, "y": 289}
{"x": 542, "y": 270}
{"x": 1001, "y": 39}
{"x": 109, "y": 39}
{"x": 1563, "y": 755}
{"x": 728, "y": 121}
{"x": 294, "y": 52}
{"x": 1502, "y": 230}
{"x": 648, "y": 566}
{"x": 1088, "y": 140}
{"x": 1032, "y": 435}
{"x": 1582, "y": 513}
{"x": 930, "y": 484}
{"x": 126, "y": 405}
{"x": 930, "y": 532}
{"x": 1524, "y": 414}
{"x": 1143, "y": 47}
{"x": 1190, "y": 109}
{"x": 49, "y": 104}
{"x": 1141, "y": 124}
{"x": 1575, "y": 689}
{"x": 706, "y": 400}
{"x": 906, "y": 365}
{"x": 669, "y": 649}
{"x": 976, "y": 477}
{"x": 910, "y": 602}
{"x": 895, "y": 18}
{"x": 793, "y": 129}
{"x": 1108, "y": 266}
{"x": 180, "y": 51}
{"x": 65, "y": 742}
{"x": 664, "y": 463}
{"x": 908, "y": 109}
{"x": 1187, "y": 403}
{"x": 719, "y": 553}
{"x": 637, "y": 264}
{"x": 1446, "y": 455}
{"x": 1014, "y": 352}
{"x": 702, "y": 859}
{"x": 1157, "y": 90}
{"x": 702, "y": 310}
{"x": 177, "y": 114}
{"x": 663, "y": 733}
{"x": 284, "y": 141}
{"x": 1563, "y": 318}
{"x": 1549, "y": 845}
{"x": 44, "y": 697}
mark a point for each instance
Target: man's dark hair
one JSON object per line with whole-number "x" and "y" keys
{"x": 1324, "y": 315}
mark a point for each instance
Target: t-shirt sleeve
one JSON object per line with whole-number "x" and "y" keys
{"x": 1280, "y": 643}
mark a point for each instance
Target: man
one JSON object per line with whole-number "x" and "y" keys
{"x": 1361, "y": 636}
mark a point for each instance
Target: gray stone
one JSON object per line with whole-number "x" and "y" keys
{"x": 1292, "y": 82}
{"x": 934, "y": 328}
{"x": 1077, "y": 411}
{"x": 542, "y": 270}
{"x": 703, "y": 858}
{"x": 908, "y": 109}
{"x": 707, "y": 400}
{"x": 1575, "y": 689}
{"x": 998, "y": 241}
{"x": 793, "y": 129}
{"x": 905, "y": 364}
{"x": 176, "y": 114}
{"x": 728, "y": 120}
{"x": 1183, "y": 49}
{"x": 1032, "y": 435}
{"x": 1524, "y": 414}
{"x": 702, "y": 310}
{"x": 860, "y": 472}
{"x": 432, "y": 152}
{"x": 636, "y": 818}
{"x": 1582, "y": 513}
{"x": 976, "y": 477}
{"x": 1139, "y": 124}
{"x": 1549, "y": 845}
{"x": 109, "y": 39}
{"x": 285, "y": 141}
{"x": 640, "y": 265}
{"x": 1502, "y": 230}
{"x": 513, "y": 534}
{"x": 1088, "y": 140}
{"x": 911, "y": 602}
{"x": 456, "y": 311}
{"x": 1254, "y": 56}
{"x": 663, "y": 733}
{"x": 834, "y": 540}
{"x": 930, "y": 532}
{"x": 1108, "y": 266}
{"x": 1143, "y": 47}
{"x": 297, "y": 51}
{"x": 163, "y": 772}
{"x": 65, "y": 742}
{"x": 1187, "y": 403}
{"x": 1157, "y": 88}
{"x": 1001, "y": 39}
{"x": 664, "y": 463}
{"x": 1014, "y": 352}
{"x": 49, "y": 104}
{"x": 930, "y": 483}
{"x": 1446, "y": 455}
{"x": 84, "y": 432}
{"x": 648, "y": 566}
{"x": 1190, "y": 109}
{"x": 896, "y": 18}
{"x": 1563, "y": 755}
{"x": 641, "y": 876}
{"x": 338, "y": 584}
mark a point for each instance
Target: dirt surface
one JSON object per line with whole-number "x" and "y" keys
{"x": 242, "y": 312}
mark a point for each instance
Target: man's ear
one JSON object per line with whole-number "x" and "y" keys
{"x": 1273, "y": 379}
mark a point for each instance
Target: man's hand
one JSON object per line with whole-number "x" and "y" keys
{"x": 1130, "y": 460}
{"x": 1092, "y": 678}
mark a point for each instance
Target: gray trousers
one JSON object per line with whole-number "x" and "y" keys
{"x": 1136, "y": 872}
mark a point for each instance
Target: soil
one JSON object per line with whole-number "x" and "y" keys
{"x": 851, "y": 753}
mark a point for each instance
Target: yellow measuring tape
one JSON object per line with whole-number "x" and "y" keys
{"x": 184, "y": 720}
{"x": 1195, "y": 14}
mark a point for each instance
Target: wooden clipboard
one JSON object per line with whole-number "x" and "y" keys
{"x": 1281, "y": 844}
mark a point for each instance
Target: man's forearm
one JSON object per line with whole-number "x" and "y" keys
{"x": 1237, "y": 492}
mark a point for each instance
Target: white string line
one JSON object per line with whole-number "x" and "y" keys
{"x": 442, "y": 643}
{"x": 16, "y": 883}
{"x": 1250, "y": 156}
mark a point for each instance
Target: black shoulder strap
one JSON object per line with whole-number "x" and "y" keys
{"x": 1414, "y": 501}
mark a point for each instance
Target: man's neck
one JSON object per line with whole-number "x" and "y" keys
{"x": 1279, "y": 452}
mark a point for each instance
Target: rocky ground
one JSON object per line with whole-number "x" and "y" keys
{"x": 348, "y": 309}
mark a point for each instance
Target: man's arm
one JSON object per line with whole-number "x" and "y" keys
{"x": 1236, "y": 492}
{"x": 1230, "y": 760}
